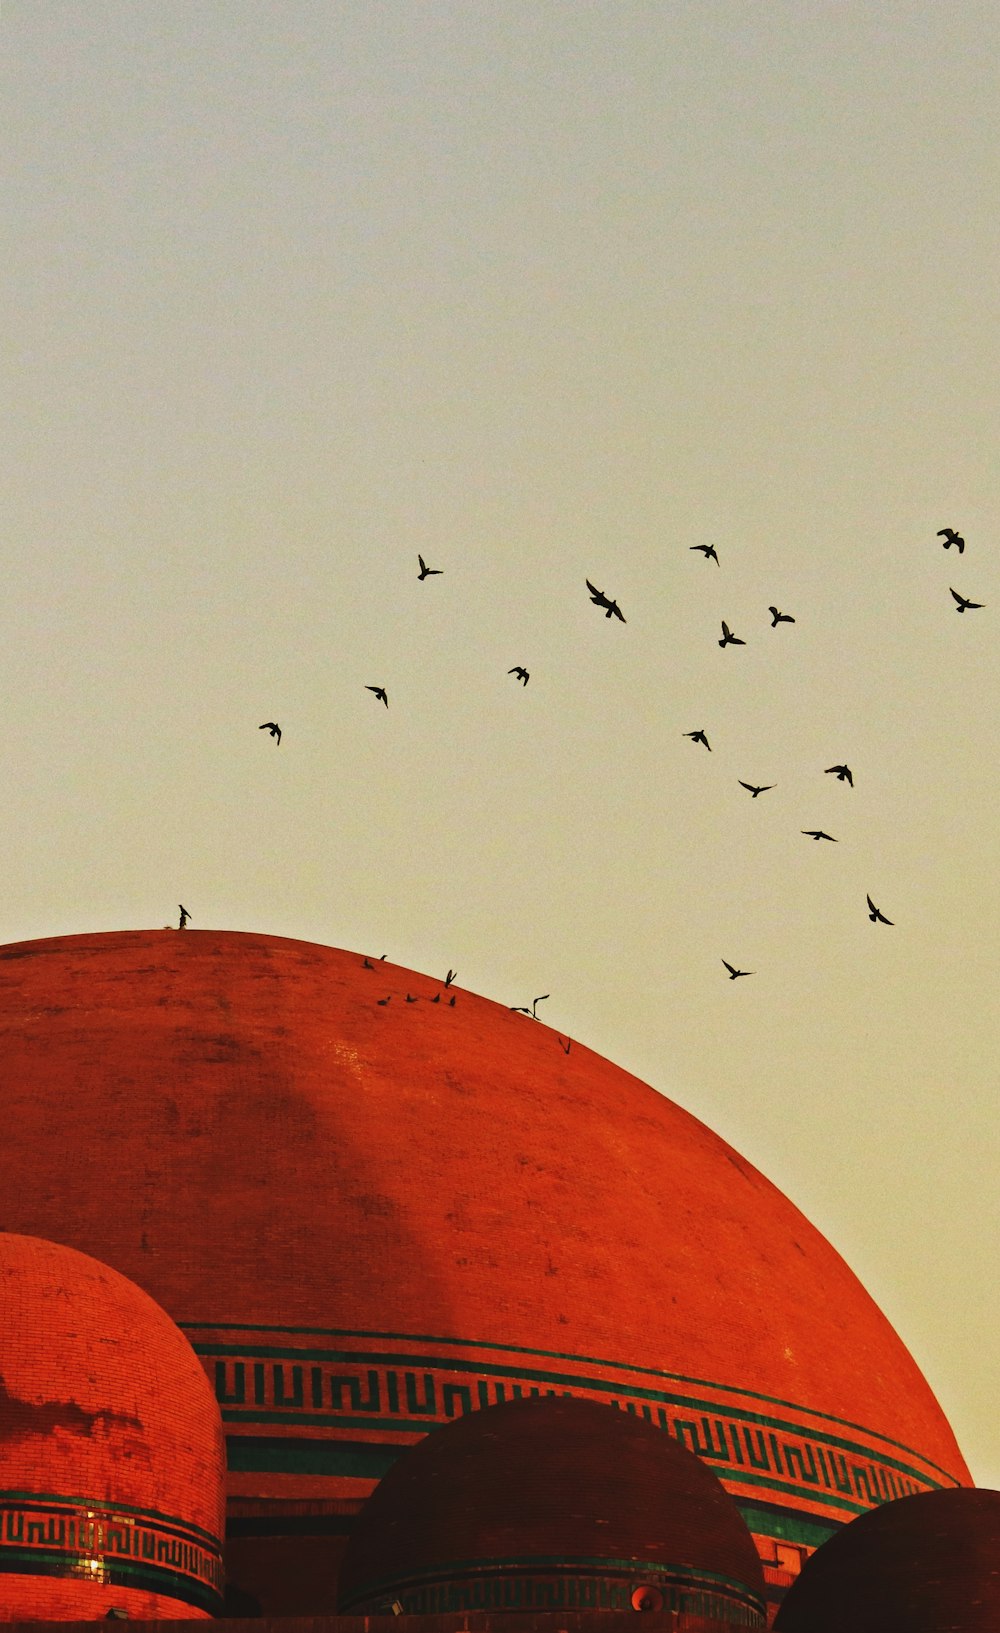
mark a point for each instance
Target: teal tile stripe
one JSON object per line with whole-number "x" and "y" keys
{"x": 548, "y": 1355}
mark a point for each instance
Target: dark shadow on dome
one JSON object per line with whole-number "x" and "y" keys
{"x": 929, "y": 1563}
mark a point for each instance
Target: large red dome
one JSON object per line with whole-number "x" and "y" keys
{"x": 372, "y": 1215}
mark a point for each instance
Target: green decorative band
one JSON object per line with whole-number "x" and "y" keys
{"x": 501, "y": 1585}
{"x": 92, "y": 1542}
{"x": 601, "y": 1364}
{"x": 347, "y": 1392}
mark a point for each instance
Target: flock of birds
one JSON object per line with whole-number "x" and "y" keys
{"x": 948, "y": 535}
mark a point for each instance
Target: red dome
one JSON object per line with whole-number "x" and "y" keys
{"x": 923, "y": 1564}
{"x": 552, "y": 1504}
{"x": 373, "y": 1215}
{"x": 112, "y": 1479}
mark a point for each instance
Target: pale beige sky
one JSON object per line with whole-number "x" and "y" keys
{"x": 543, "y": 292}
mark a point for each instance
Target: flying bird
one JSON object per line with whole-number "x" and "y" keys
{"x": 521, "y": 673}
{"x": 380, "y": 693}
{"x": 535, "y": 1002}
{"x": 698, "y": 736}
{"x": 817, "y": 833}
{"x": 707, "y": 550}
{"x": 185, "y": 915}
{"x": 874, "y": 914}
{"x": 427, "y": 572}
{"x": 450, "y": 977}
{"x": 950, "y": 538}
{"x": 734, "y": 973}
{"x": 963, "y": 604}
{"x": 611, "y": 608}
{"x": 752, "y": 790}
{"x": 728, "y": 638}
{"x": 841, "y": 772}
{"x": 779, "y": 617}
{"x": 273, "y": 727}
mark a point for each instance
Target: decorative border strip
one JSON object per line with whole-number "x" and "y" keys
{"x": 96, "y": 1542}
{"x": 545, "y": 1355}
{"x": 346, "y": 1391}
{"x": 558, "y": 1584}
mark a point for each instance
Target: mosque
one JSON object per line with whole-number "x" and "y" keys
{"x": 333, "y": 1291}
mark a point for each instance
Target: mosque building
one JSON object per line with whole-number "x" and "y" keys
{"x": 334, "y": 1291}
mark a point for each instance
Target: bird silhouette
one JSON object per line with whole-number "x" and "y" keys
{"x": 410, "y": 999}
{"x": 754, "y": 791}
{"x": 707, "y": 550}
{"x": 450, "y": 977}
{"x": 273, "y": 727}
{"x": 734, "y": 973}
{"x": 963, "y": 604}
{"x": 841, "y": 772}
{"x": 698, "y": 736}
{"x": 564, "y": 1044}
{"x": 817, "y": 833}
{"x": 383, "y": 1001}
{"x": 380, "y": 693}
{"x": 728, "y": 638}
{"x": 185, "y": 915}
{"x": 611, "y": 608}
{"x": 536, "y": 1001}
{"x": 521, "y": 673}
{"x": 366, "y": 964}
{"x": 779, "y": 617}
{"x": 427, "y": 572}
{"x": 950, "y": 538}
{"x": 874, "y": 914}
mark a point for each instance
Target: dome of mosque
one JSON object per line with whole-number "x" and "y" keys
{"x": 375, "y": 1203}
{"x": 553, "y": 1503}
{"x": 923, "y": 1564}
{"x": 112, "y": 1474}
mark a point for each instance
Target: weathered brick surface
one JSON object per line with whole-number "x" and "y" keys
{"x": 112, "y": 1477}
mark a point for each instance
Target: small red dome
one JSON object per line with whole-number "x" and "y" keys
{"x": 552, "y": 1503}
{"x": 923, "y": 1564}
{"x": 112, "y": 1477}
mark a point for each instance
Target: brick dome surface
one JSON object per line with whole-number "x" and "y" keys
{"x": 112, "y": 1477}
{"x": 373, "y": 1215}
{"x": 553, "y": 1503}
{"x": 923, "y": 1564}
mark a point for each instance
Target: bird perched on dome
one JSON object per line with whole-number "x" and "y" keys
{"x": 185, "y": 915}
